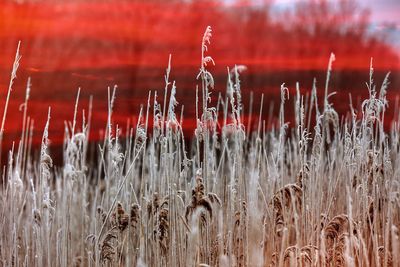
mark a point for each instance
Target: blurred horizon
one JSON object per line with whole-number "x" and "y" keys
{"x": 95, "y": 45}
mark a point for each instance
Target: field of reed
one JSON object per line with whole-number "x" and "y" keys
{"x": 324, "y": 191}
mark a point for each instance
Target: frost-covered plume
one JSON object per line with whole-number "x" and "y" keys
{"x": 167, "y": 84}
{"x": 45, "y": 160}
{"x": 204, "y": 48}
{"x": 116, "y": 156}
{"x": 235, "y": 72}
{"x": 12, "y": 78}
{"x": 374, "y": 106}
{"x": 233, "y": 88}
{"x": 172, "y": 122}
{"x": 157, "y": 118}
{"x": 141, "y": 136}
{"x": 282, "y": 124}
{"x": 206, "y": 76}
{"x": 330, "y": 116}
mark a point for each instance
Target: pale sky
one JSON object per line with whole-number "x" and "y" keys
{"x": 385, "y": 16}
{"x": 381, "y": 10}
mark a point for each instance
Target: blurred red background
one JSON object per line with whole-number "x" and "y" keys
{"x": 93, "y": 45}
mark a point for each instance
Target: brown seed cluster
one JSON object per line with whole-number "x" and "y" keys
{"x": 201, "y": 200}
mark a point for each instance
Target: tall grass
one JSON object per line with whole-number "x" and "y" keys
{"x": 272, "y": 196}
